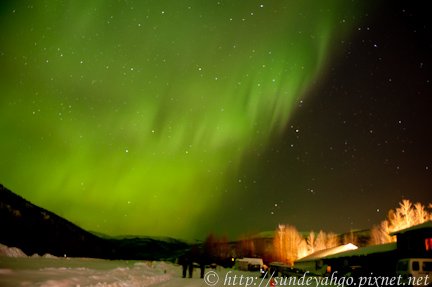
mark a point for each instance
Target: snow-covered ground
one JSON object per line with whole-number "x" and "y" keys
{"x": 62, "y": 272}
{"x": 17, "y": 269}
{"x": 81, "y": 272}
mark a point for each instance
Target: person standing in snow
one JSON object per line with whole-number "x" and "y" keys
{"x": 183, "y": 261}
{"x": 202, "y": 269}
{"x": 202, "y": 262}
{"x": 191, "y": 267}
{"x": 195, "y": 256}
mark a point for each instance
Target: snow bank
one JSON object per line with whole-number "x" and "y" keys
{"x": 59, "y": 272}
{"x": 139, "y": 275}
{"x": 11, "y": 251}
{"x": 79, "y": 272}
{"x": 46, "y": 255}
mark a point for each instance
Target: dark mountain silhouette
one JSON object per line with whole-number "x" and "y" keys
{"x": 36, "y": 230}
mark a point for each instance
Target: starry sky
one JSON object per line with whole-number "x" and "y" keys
{"x": 180, "y": 118}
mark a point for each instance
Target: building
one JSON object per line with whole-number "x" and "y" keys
{"x": 413, "y": 242}
{"x": 314, "y": 263}
{"x": 378, "y": 259}
{"x": 248, "y": 264}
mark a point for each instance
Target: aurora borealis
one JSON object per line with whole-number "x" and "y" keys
{"x": 153, "y": 117}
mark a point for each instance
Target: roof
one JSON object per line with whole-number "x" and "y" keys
{"x": 327, "y": 252}
{"x": 250, "y": 260}
{"x": 427, "y": 224}
{"x": 380, "y": 248}
{"x": 279, "y": 264}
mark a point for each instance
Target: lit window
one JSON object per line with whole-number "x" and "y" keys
{"x": 428, "y": 244}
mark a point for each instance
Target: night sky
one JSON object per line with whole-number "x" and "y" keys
{"x": 180, "y": 118}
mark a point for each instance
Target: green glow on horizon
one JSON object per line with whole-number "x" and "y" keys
{"x": 129, "y": 117}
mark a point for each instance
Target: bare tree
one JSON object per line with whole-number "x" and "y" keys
{"x": 302, "y": 249}
{"x": 405, "y": 216}
{"x": 420, "y": 213}
{"x": 406, "y": 212}
{"x": 350, "y": 237}
{"x": 376, "y": 236}
{"x": 286, "y": 243}
{"x": 247, "y": 247}
{"x": 210, "y": 246}
{"x": 310, "y": 242}
{"x": 380, "y": 234}
{"x": 430, "y": 214}
{"x": 332, "y": 240}
{"x": 321, "y": 241}
{"x": 279, "y": 244}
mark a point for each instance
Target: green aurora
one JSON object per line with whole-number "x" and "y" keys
{"x": 128, "y": 117}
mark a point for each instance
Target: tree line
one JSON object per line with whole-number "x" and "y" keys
{"x": 288, "y": 244}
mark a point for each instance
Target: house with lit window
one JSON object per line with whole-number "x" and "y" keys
{"x": 415, "y": 242}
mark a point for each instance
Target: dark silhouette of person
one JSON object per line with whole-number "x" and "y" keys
{"x": 191, "y": 267}
{"x": 202, "y": 262}
{"x": 195, "y": 256}
{"x": 184, "y": 262}
{"x": 202, "y": 269}
{"x": 187, "y": 261}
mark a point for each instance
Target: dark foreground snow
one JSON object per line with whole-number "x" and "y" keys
{"x": 17, "y": 269}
